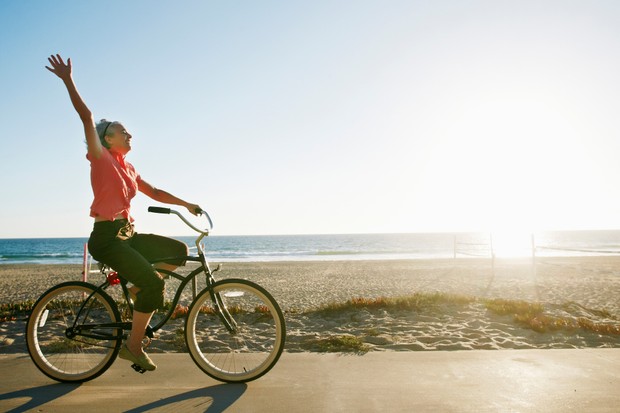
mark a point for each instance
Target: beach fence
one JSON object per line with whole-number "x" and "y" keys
{"x": 484, "y": 246}
{"x": 474, "y": 248}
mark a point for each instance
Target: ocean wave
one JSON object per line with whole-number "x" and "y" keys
{"x": 342, "y": 252}
{"x": 40, "y": 256}
{"x": 331, "y": 247}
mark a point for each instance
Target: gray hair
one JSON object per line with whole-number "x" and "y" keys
{"x": 103, "y": 130}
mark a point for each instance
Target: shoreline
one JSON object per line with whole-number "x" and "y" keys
{"x": 571, "y": 287}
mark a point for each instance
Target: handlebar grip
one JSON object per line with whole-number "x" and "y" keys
{"x": 159, "y": 210}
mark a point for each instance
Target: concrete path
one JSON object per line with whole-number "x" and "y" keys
{"x": 585, "y": 380}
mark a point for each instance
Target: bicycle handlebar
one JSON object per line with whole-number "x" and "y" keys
{"x": 161, "y": 210}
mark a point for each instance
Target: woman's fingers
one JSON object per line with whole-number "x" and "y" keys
{"x": 58, "y": 61}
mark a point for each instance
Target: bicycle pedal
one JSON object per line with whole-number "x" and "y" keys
{"x": 138, "y": 368}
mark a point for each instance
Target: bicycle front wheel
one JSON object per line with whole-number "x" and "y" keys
{"x": 241, "y": 337}
{"x": 66, "y": 334}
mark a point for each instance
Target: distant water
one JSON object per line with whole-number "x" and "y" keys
{"x": 343, "y": 247}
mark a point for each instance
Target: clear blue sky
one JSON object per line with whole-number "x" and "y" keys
{"x": 321, "y": 116}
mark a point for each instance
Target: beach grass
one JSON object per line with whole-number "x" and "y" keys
{"x": 532, "y": 315}
{"x": 178, "y": 339}
{"x": 10, "y": 312}
{"x": 342, "y": 343}
{"x": 526, "y": 314}
{"x": 414, "y": 302}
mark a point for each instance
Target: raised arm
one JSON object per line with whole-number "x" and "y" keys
{"x": 63, "y": 71}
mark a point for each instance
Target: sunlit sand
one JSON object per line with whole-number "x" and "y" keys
{"x": 571, "y": 289}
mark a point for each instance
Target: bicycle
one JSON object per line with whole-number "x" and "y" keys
{"x": 76, "y": 329}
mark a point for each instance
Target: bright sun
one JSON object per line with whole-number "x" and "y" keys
{"x": 512, "y": 244}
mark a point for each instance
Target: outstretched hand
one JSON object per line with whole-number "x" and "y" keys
{"x": 59, "y": 67}
{"x": 194, "y": 209}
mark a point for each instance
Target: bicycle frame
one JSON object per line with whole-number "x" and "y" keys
{"x": 218, "y": 303}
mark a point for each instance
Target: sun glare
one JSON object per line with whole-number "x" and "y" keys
{"x": 494, "y": 157}
{"x": 511, "y": 244}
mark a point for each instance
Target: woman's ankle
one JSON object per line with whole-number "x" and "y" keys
{"x": 135, "y": 349}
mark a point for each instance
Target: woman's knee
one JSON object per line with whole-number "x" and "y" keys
{"x": 151, "y": 296}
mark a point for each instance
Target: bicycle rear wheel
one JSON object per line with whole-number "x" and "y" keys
{"x": 60, "y": 351}
{"x": 257, "y": 338}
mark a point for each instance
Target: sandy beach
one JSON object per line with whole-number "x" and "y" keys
{"x": 573, "y": 289}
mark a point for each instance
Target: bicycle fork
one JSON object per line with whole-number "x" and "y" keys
{"x": 218, "y": 302}
{"x": 223, "y": 313}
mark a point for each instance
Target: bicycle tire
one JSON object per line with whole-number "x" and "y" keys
{"x": 72, "y": 359}
{"x": 257, "y": 343}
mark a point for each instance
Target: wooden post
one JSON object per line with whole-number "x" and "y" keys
{"x": 533, "y": 255}
{"x": 492, "y": 253}
{"x": 454, "y": 246}
{"x": 85, "y": 264}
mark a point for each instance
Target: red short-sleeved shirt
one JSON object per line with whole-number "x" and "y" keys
{"x": 115, "y": 183}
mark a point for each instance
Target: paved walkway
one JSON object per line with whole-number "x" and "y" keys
{"x": 458, "y": 381}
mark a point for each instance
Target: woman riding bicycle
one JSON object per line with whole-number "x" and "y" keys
{"x": 113, "y": 241}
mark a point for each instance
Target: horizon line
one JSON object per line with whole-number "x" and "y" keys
{"x": 442, "y": 232}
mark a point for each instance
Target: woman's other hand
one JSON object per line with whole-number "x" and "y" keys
{"x": 194, "y": 209}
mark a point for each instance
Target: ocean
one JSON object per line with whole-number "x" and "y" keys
{"x": 344, "y": 247}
